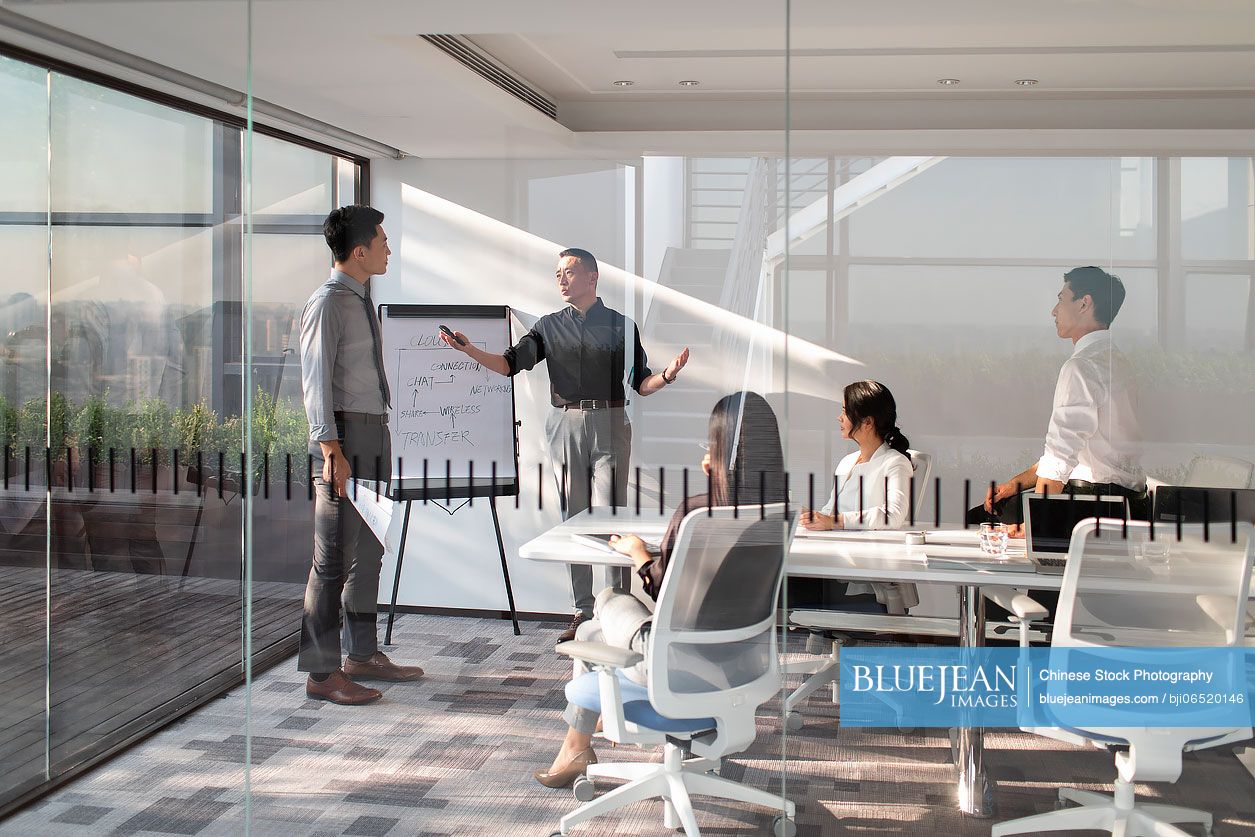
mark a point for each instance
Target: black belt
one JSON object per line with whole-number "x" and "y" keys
{"x": 361, "y": 418}
{"x": 592, "y": 404}
{"x": 1105, "y": 488}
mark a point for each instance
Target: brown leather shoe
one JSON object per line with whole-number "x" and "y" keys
{"x": 569, "y": 634}
{"x": 379, "y": 667}
{"x": 565, "y": 777}
{"x": 339, "y": 689}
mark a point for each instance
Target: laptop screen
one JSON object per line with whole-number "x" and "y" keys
{"x": 1050, "y": 520}
{"x": 1196, "y": 505}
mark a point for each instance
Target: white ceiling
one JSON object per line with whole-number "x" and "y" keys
{"x": 1144, "y": 65}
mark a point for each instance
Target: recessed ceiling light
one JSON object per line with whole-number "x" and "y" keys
{"x": 948, "y": 82}
{"x": 1026, "y": 82}
{"x": 688, "y": 82}
{"x": 628, "y": 83}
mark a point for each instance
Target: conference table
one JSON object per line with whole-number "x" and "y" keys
{"x": 847, "y": 556}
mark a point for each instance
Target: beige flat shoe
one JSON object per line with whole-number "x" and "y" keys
{"x": 565, "y": 777}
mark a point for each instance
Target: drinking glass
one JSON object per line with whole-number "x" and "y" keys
{"x": 993, "y": 539}
{"x": 1155, "y": 554}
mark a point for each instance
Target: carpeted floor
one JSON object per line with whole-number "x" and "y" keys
{"x": 453, "y": 755}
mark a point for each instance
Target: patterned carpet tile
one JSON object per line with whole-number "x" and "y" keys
{"x": 453, "y": 754}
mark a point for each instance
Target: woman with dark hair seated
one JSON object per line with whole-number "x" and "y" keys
{"x": 872, "y": 489}
{"x": 745, "y": 466}
{"x": 869, "y": 418}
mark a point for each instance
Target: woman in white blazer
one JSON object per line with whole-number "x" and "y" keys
{"x": 872, "y": 486}
{"x": 859, "y": 499}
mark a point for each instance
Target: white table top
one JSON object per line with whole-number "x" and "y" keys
{"x": 557, "y": 544}
{"x": 846, "y": 555}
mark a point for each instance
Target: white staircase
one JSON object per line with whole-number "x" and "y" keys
{"x": 670, "y": 423}
{"x": 728, "y": 331}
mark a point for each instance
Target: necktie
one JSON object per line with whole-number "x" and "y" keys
{"x": 378, "y": 348}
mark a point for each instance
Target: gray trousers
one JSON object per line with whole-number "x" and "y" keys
{"x": 591, "y": 452}
{"x": 347, "y": 558}
{"x": 621, "y": 620}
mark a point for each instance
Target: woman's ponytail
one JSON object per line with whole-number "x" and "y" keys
{"x": 896, "y": 440}
{"x": 872, "y": 400}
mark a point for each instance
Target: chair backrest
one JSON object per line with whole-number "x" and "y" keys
{"x": 922, "y": 465}
{"x": 1194, "y": 504}
{"x": 713, "y": 640}
{"x": 1207, "y": 471}
{"x": 1131, "y": 591}
{"x": 1127, "y": 585}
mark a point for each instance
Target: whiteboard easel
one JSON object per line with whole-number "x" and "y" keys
{"x": 451, "y": 414}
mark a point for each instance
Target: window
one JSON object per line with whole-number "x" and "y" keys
{"x": 121, "y": 325}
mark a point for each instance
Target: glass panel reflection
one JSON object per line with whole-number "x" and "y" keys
{"x": 145, "y": 561}
{"x": 23, "y": 375}
{"x": 99, "y": 166}
{"x": 290, "y": 180}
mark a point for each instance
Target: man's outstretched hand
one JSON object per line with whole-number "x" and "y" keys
{"x": 676, "y": 364}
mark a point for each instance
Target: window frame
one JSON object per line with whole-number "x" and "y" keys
{"x": 226, "y": 218}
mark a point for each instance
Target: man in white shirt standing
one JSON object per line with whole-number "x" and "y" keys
{"x": 1093, "y": 443}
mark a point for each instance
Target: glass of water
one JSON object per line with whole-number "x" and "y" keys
{"x": 993, "y": 539}
{"x": 1155, "y": 554}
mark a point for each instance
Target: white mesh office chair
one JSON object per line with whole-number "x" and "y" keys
{"x": 1207, "y": 471}
{"x": 1119, "y": 592}
{"x": 824, "y": 671}
{"x": 711, "y": 661}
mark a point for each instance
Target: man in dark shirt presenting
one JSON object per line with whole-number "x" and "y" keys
{"x": 591, "y": 350}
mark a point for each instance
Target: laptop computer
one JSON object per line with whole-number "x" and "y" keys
{"x": 1197, "y": 505}
{"x": 1050, "y": 519}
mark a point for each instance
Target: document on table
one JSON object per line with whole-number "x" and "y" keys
{"x": 942, "y": 537}
{"x": 602, "y": 540}
{"x": 1011, "y": 562}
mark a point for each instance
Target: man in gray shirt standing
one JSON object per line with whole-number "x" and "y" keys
{"x": 346, "y": 402}
{"x": 592, "y": 351}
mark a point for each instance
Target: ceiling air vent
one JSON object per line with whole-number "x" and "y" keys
{"x": 469, "y": 56}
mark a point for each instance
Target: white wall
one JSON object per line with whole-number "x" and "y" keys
{"x": 488, "y": 232}
{"x": 664, "y": 211}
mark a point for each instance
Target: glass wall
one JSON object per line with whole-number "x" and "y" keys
{"x": 156, "y": 511}
{"x": 122, "y": 387}
{"x": 942, "y": 277}
{"x": 679, "y": 244}
{"x": 944, "y": 284}
{"x": 24, "y": 511}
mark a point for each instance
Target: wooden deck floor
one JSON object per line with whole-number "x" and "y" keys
{"x": 89, "y": 657}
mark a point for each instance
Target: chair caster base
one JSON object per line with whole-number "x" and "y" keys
{"x": 783, "y": 827}
{"x": 794, "y": 721}
{"x": 584, "y": 789}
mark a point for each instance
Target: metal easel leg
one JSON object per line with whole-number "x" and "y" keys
{"x": 396, "y": 579}
{"x": 505, "y": 569}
